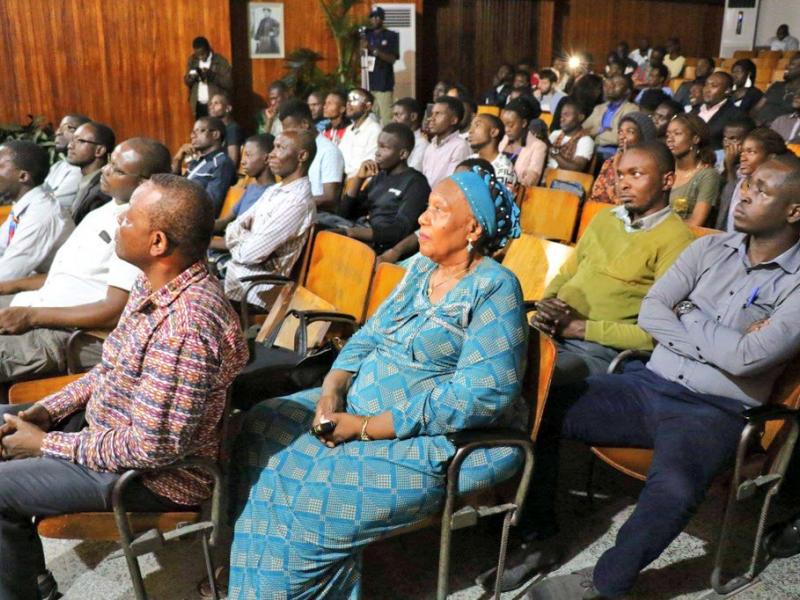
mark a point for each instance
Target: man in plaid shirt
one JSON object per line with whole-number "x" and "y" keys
{"x": 156, "y": 397}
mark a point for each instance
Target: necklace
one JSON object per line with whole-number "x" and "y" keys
{"x": 432, "y": 287}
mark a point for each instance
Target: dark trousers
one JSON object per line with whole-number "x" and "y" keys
{"x": 694, "y": 438}
{"x": 40, "y": 487}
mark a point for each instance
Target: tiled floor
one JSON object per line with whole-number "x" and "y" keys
{"x": 405, "y": 568}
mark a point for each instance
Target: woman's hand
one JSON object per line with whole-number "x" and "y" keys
{"x": 327, "y": 405}
{"x": 348, "y": 428}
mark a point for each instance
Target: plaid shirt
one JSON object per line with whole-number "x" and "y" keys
{"x": 158, "y": 394}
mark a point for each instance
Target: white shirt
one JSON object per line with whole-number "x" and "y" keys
{"x": 269, "y": 237}
{"x": 503, "y": 169}
{"x": 63, "y": 180}
{"x": 41, "y": 227}
{"x": 86, "y": 265}
{"x": 359, "y": 144}
{"x": 788, "y": 43}
{"x": 327, "y": 166}
{"x": 639, "y": 58}
{"x": 415, "y": 158}
{"x": 202, "y": 86}
{"x": 583, "y": 149}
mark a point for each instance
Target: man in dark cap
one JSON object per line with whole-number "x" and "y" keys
{"x": 383, "y": 49}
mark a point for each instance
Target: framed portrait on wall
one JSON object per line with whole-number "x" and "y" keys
{"x": 266, "y": 27}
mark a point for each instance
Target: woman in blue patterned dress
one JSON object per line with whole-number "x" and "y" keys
{"x": 445, "y": 352}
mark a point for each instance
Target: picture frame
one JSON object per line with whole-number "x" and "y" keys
{"x": 266, "y": 29}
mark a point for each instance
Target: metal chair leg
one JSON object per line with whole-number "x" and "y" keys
{"x": 212, "y": 582}
{"x": 442, "y": 581}
{"x": 590, "y": 479}
{"x": 501, "y": 560}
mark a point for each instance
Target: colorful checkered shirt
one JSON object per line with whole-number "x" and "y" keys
{"x": 158, "y": 394}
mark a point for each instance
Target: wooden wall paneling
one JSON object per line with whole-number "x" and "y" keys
{"x": 305, "y": 27}
{"x": 120, "y": 63}
{"x": 597, "y": 25}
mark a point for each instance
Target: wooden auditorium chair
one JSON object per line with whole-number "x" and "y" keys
{"x": 138, "y": 533}
{"x": 548, "y": 213}
{"x": 585, "y": 179}
{"x": 535, "y": 262}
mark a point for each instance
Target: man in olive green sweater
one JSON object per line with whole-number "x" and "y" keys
{"x": 592, "y": 305}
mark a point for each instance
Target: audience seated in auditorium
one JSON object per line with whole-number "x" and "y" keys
{"x": 657, "y": 76}
{"x": 641, "y": 74}
{"x": 470, "y": 108}
{"x": 717, "y": 108}
{"x": 360, "y": 139}
{"x": 269, "y": 237}
{"x": 603, "y": 123}
{"x": 641, "y": 55}
{"x": 622, "y": 51}
{"x": 335, "y": 112}
{"x": 732, "y": 138}
{"x": 695, "y": 191}
{"x": 502, "y": 82}
{"x": 650, "y": 100}
{"x": 89, "y": 150}
{"x": 546, "y": 92}
{"x": 255, "y": 164}
{"x": 409, "y": 112}
{"x": 614, "y": 65}
{"x": 778, "y": 98}
{"x": 571, "y": 146}
{"x": 157, "y": 397}
{"x": 591, "y": 308}
{"x": 674, "y": 60}
{"x": 440, "y": 89}
{"x": 36, "y": 226}
{"x": 327, "y": 166}
{"x": 759, "y": 146}
{"x": 663, "y": 114}
{"x": 485, "y": 135}
{"x": 207, "y": 73}
{"x": 408, "y": 246}
{"x": 447, "y": 147}
{"x": 220, "y": 107}
{"x": 316, "y": 104}
{"x": 703, "y": 68}
{"x": 386, "y": 209}
{"x": 209, "y": 165}
{"x": 745, "y": 94}
{"x": 783, "y": 41}
{"x": 453, "y": 335}
{"x": 268, "y": 120}
{"x": 521, "y": 79}
{"x": 695, "y": 97}
{"x": 64, "y": 178}
{"x": 724, "y": 318}
{"x": 87, "y": 285}
{"x": 587, "y": 92}
{"x": 788, "y": 125}
{"x": 526, "y": 151}
{"x": 634, "y": 128}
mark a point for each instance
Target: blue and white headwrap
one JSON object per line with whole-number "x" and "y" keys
{"x": 492, "y": 205}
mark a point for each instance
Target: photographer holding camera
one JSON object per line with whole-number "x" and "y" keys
{"x": 383, "y": 49}
{"x": 207, "y": 74}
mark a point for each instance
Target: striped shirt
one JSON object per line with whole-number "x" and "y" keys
{"x": 158, "y": 394}
{"x": 269, "y": 237}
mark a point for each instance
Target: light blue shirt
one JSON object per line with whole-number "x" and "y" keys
{"x": 327, "y": 166}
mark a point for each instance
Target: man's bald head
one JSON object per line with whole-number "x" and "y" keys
{"x": 153, "y": 156}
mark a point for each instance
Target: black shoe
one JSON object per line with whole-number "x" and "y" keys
{"x": 48, "y": 588}
{"x": 529, "y": 560}
{"x": 576, "y": 586}
{"x": 783, "y": 540}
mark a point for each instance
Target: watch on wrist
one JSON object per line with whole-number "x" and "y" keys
{"x": 684, "y": 307}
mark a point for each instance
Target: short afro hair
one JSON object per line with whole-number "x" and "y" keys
{"x": 454, "y": 105}
{"x": 29, "y": 157}
{"x": 403, "y": 134}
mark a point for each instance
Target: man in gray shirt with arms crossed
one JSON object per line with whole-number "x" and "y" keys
{"x": 725, "y": 318}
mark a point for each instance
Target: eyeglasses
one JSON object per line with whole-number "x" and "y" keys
{"x": 82, "y": 141}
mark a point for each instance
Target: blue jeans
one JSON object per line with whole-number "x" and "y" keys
{"x": 694, "y": 438}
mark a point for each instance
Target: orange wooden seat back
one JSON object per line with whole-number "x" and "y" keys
{"x": 547, "y": 117}
{"x": 233, "y": 196}
{"x": 535, "y": 262}
{"x": 488, "y": 109}
{"x": 689, "y": 71}
{"x": 701, "y": 231}
{"x": 589, "y": 211}
{"x": 5, "y": 210}
{"x": 340, "y": 271}
{"x": 794, "y": 148}
{"x": 549, "y": 213}
{"x": 386, "y": 278}
{"x": 585, "y": 179}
